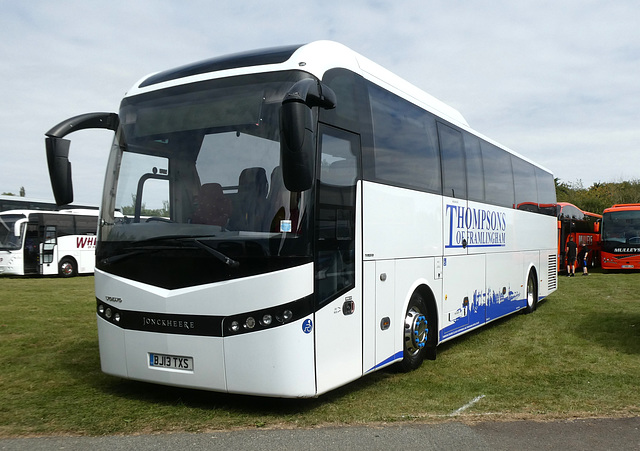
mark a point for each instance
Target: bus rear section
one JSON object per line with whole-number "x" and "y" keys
{"x": 621, "y": 237}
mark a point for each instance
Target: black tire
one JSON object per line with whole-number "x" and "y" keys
{"x": 67, "y": 268}
{"x": 531, "y": 294}
{"x": 415, "y": 333}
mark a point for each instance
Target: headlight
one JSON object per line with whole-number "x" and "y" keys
{"x": 258, "y": 320}
{"x": 111, "y": 314}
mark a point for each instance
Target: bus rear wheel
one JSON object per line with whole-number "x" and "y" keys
{"x": 67, "y": 268}
{"x": 416, "y": 333}
{"x": 532, "y": 294}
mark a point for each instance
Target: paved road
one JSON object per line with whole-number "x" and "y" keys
{"x": 568, "y": 435}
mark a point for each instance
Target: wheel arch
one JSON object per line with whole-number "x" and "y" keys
{"x": 532, "y": 269}
{"x": 423, "y": 288}
{"x": 73, "y": 261}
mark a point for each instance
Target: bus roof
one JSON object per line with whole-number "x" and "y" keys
{"x": 315, "y": 58}
{"x": 622, "y": 207}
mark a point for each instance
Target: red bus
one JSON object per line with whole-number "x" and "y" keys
{"x": 585, "y": 229}
{"x": 621, "y": 237}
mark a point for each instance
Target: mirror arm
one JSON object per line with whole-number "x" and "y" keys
{"x": 58, "y": 150}
{"x": 109, "y": 121}
{"x": 310, "y": 92}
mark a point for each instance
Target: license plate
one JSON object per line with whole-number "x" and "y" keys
{"x": 173, "y": 362}
{"x": 627, "y": 266}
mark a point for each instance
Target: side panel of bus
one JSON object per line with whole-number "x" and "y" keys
{"x": 402, "y": 240}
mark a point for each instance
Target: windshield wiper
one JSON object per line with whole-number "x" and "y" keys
{"x": 136, "y": 250}
{"x": 216, "y": 253}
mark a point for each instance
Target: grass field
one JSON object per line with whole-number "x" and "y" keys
{"x": 577, "y": 355}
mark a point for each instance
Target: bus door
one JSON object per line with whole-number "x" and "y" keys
{"x": 463, "y": 303}
{"x": 49, "y": 251}
{"x": 338, "y": 319}
{"x": 31, "y": 249}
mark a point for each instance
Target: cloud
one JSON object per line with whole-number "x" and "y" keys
{"x": 555, "y": 81}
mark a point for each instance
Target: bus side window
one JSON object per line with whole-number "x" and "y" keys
{"x": 405, "y": 138}
{"x": 525, "y": 185}
{"x": 498, "y": 176}
{"x": 546, "y": 192}
{"x": 453, "y": 162}
{"x": 475, "y": 171}
{"x": 86, "y": 225}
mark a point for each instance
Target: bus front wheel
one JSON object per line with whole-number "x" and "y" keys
{"x": 416, "y": 333}
{"x": 67, "y": 268}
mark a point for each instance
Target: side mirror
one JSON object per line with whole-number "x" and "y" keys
{"x": 58, "y": 150}
{"x": 59, "y": 169}
{"x": 297, "y": 134}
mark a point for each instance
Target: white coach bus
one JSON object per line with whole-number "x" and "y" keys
{"x": 326, "y": 219}
{"x": 48, "y": 242}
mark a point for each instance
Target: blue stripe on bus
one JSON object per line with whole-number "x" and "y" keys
{"x": 396, "y": 356}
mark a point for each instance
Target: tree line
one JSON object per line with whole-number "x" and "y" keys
{"x": 9, "y": 193}
{"x": 598, "y": 196}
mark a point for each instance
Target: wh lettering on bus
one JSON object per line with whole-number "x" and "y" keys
{"x": 85, "y": 241}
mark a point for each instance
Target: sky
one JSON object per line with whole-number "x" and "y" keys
{"x": 557, "y": 81}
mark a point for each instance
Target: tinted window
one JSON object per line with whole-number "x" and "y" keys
{"x": 86, "y": 225}
{"x": 335, "y": 216}
{"x": 524, "y": 176}
{"x": 453, "y": 165}
{"x": 405, "y": 143}
{"x": 475, "y": 172}
{"x": 498, "y": 177}
{"x": 63, "y": 223}
{"x": 546, "y": 192}
{"x": 349, "y": 92}
{"x": 571, "y": 212}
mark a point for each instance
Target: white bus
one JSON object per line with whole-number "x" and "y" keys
{"x": 326, "y": 219}
{"x": 48, "y": 242}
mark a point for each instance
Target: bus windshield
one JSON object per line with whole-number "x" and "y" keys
{"x": 9, "y": 241}
{"x": 195, "y": 172}
{"x": 621, "y": 227}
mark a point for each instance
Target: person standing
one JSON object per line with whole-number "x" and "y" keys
{"x": 584, "y": 256}
{"x": 572, "y": 253}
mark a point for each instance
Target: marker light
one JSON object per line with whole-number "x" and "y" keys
{"x": 250, "y": 323}
{"x": 101, "y": 309}
{"x": 266, "y": 320}
{"x": 287, "y": 315}
{"x": 235, "y": 326}
{"x": 108, "y": 313}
